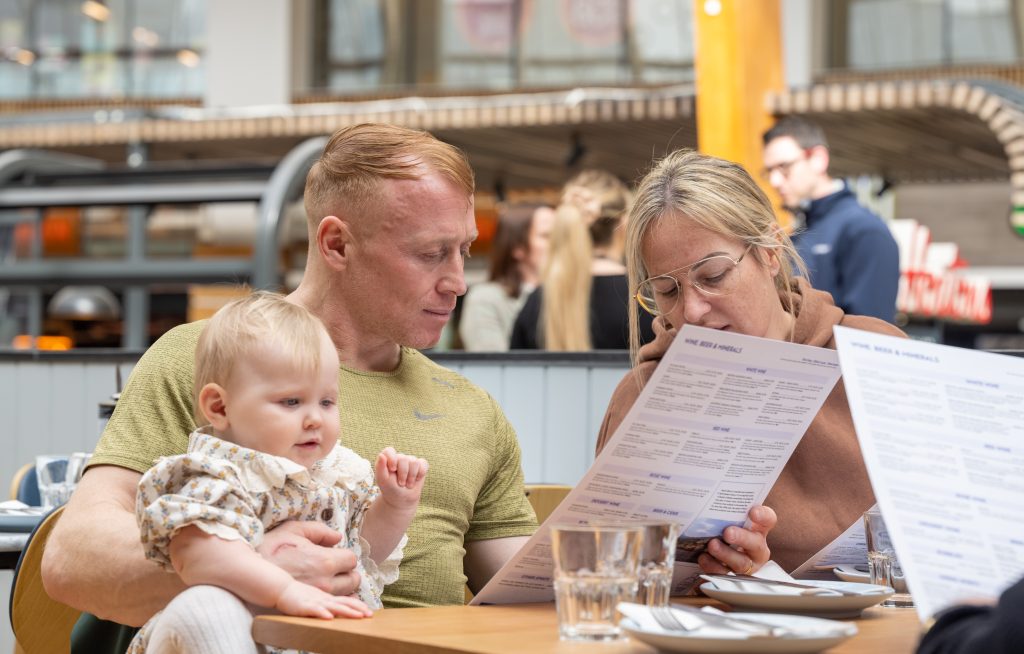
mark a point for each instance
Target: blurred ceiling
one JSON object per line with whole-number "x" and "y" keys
{"x": 903, "y": 131}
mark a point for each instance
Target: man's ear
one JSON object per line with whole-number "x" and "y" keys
{"x": 818, "y": 158}
{"x": 333, "y": 240}
{"x": 213, "y": 404}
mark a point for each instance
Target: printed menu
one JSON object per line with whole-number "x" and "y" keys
{"x": 849, "y": 547}
{"x": 705, "y": 441}
{"x": 942, "y": 432}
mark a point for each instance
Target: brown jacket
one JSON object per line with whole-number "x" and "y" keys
{"x": 824, "y": 487}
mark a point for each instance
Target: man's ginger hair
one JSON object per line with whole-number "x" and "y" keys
{"x": 345, "y": 179}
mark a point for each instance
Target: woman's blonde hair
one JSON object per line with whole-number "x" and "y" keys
{"x": 613, "y": 197}
{"x": 565, "y": 305}
{"x": 242, "y": 326}
{"x": 716, "y": 194}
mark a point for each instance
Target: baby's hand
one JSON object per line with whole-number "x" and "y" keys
{"x": 303, "y": 600}
{"x": 400, "y": 477}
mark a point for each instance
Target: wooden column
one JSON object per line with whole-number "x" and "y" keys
{"x": 738, "y": 59}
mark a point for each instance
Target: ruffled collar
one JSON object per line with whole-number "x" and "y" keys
{"x": 261, "y": 472}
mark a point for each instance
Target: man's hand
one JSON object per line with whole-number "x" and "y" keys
{"x": 305, "y": 550}
{"x": 747, "y": 549}
{"x": 304, "y": 600}
{"x": 400, "y": 478}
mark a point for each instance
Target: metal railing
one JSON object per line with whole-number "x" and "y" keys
{"x": 64, "y": 180}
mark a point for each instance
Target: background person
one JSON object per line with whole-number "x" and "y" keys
{"x": 583, "y": 301}
{"x": 703, "y": 248}
{"x": 267, "y": 390}
{"x": 391, "y": 221}
{"x": 848, "y": 250}
{"x": 602, "y": 200}
{"x": 518, "y": 256}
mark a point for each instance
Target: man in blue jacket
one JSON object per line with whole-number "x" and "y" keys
{"x": 849, "y": 251}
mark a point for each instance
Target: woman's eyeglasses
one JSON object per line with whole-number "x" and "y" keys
{"x": 711, "y": 276}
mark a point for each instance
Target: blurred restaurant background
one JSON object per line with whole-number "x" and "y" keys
{"x": 152, "y": 152}
{"x": 144, "y": 143}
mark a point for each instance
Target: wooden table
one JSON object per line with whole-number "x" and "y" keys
{"x": 517, "y": 628}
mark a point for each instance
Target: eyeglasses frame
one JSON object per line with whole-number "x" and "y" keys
{"x": 672, "y": 274}
{"x": 785, "y": 167}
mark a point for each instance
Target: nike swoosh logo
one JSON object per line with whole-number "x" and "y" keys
{"x": 426, "y": 416}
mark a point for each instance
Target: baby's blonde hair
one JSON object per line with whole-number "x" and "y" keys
{"x": 244, "y": 325}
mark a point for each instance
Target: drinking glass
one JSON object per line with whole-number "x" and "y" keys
{"x": 595, "y": 569}
{"x": 57, "y": 475}
{"x": 883, "y": 565}
{"x": 657, "y": 562}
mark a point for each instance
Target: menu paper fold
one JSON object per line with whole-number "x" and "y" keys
{"x": 703, "y": 443}
{"x": 848, "y": 547}
{"x": 942, "y": 432}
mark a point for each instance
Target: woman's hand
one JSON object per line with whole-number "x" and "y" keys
{"x": 743, "y": 551}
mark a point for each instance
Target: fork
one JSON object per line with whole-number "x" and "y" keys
{"x": 668, "y": 621}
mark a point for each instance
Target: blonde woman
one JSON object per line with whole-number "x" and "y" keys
{"x": 584, "y": 298}
{"x": 518, "y": 256}
{"x": 703, "y": 248}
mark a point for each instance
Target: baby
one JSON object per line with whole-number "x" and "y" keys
{"x": 266, "y": 386}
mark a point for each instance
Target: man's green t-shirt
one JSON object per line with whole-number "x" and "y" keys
{"x": 474, "y": 488}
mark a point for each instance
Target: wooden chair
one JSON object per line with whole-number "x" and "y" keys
{"x": 19, "y": 479}
{"x": 41, "y": 625}
{"x": 545, "y": 498}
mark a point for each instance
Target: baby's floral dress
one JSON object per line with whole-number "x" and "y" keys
{"x": 237, "y": 493}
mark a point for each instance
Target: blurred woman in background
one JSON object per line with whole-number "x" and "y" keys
{"x": 583, "y": 302}
{"x": 517, "y": 258}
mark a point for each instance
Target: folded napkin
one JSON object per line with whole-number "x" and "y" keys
{"x": 785, "y": 626}
{"x": 751, "y": 586}
{"x": 770, "y": 572}
{"x": 641, "y": 615}
{"x": 14, "y": 507}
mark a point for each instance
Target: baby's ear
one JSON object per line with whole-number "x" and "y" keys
{"x": 213, "y": 404}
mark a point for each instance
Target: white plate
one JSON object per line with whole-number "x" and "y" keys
{"x": 695, "y": 643}
{"x": 857, "y": 574}
{"x": 756, "y": 596}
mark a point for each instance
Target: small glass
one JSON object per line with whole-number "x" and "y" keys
{"x": 883, "y": 565}
{"x": 595, "y": 569}
{"x": 57, "y": 475}
{"x": 657, "y": 562}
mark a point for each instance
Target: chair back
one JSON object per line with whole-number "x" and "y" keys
{"x": 41, "y": 625}
{"x": 544, "y": 498}
{"x": 24, "y": 487}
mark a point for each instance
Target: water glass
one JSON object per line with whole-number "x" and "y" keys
{"x": 657, "y": 562}
{"x": 57, "y": 475}
{"x": 595, "y": 569}
{"x": 883, "y": 565}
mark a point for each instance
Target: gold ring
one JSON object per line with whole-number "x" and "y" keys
{"x": 750, "y": 568}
